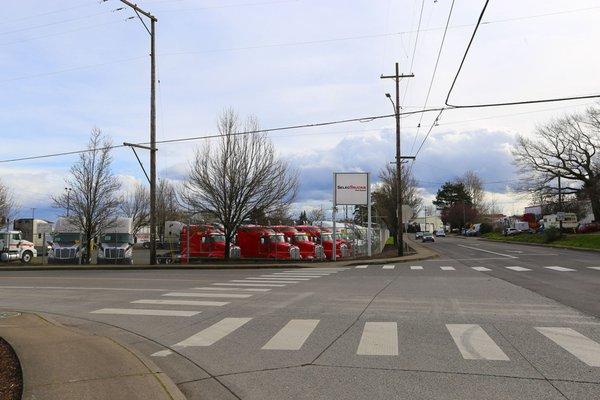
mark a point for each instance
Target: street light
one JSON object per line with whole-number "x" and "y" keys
{"x": 68, "y": 199}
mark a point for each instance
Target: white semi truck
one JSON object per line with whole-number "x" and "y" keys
{"x": 115, "y": 244}
{"x": 13, "y": 247}
{"x": 67, "y": 242}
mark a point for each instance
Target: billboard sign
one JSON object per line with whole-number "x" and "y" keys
{"x": 351, "y": 188}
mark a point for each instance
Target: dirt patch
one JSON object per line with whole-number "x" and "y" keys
{"x": 11, "y": 377}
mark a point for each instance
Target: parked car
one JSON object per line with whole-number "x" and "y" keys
{"x": 418, "y": 235}
{"x": 440, "y": 232}
{"x": 589, "y": 227}
{"x": 511, "y": 231}
{"x": 427, "y": 237}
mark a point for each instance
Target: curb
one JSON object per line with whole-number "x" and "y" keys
{"x": 552, "y": 246}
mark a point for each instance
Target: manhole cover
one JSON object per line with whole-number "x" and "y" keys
{"x": 4, "y": 314}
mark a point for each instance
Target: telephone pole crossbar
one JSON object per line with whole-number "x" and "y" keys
{"x": 399, "y": 222}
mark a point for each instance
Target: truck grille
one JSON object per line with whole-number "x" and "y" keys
{"x": 295, "y": 253}
{"x": 66, "y": 253}
{"x": 235, "y": 252}
{"x": 114, "y": 253}
{"x": 319, "y": 252}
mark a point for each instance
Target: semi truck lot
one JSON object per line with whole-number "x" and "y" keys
{"x": 484, "y": 320}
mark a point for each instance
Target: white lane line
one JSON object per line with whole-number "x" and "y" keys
{"x": 248, "y": 284}
{"x": 182, "y": 302}
{"x": 447, "y": 268}
{"x": 214, "y": 333}
{"x": 162, "y": 353}
{"x": 137, "y": 311}
{"x": 293, "y": 335}
{"x": 474, "y": 343}
{"x": 416, "y": 267}
{"x": 487, "y": 251}
{"x": 361, "y": 266}
{"x": 232, "y": 289}
{"x": 582, "y": 347}
{"x": 209, "y": 295}
{"x": 261, "y": 281}
{"x": 301, "y": 276}
{"x": 518, "y": 269}
{"x": 596, "y": 268}
{"x": 83, "y": 288}
{"x": 281, "y": 278}
{"x": 482, "y": 269}
{"x": 379, "y": 339}
{"x": 304, "y": 273}
{"x": 388, "y": 266}
{"x": 561, "y": 269}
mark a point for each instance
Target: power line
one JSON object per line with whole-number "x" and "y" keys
{"x": 228, "y": 6}
{"x": 55, "y": 23}
{"x": 47, "y": 13}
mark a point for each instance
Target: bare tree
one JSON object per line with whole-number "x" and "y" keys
{"x": 136, "y": 205}
{"x": 8, "y": 204}
{"x": 316, "y": 214}
{"x": 93, "y": 200}
{"x": 474, "y": 187}
{"x": 239, "y": 176}
{"x": 168, "y": 206}
{"x": 565, "y": 148}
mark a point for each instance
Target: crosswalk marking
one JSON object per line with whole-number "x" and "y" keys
{"x": 474, "y": 343}
{"x": 561, "y": 269}
{"x": 481, "y": 269}
{"x": 162, "y": 353}
{"x": 261, "y": 281}
{"x": 214, "y": 333}
{"x": 596, "y": 268}
{"x": 299, "y": 276}
{"x": 416, "y": 267}
{"x": 518, "y": 269}
{"x": 182, "y": 302}
{"x": 249, "y": 284}
{"x": 304, "y": 273}
{"x": 389, "y": 266}
{"x": 447, "y": 268}
{"x": 281, "y": 278}
{"x": 379, "y": 339}
{"x": 136, "y": 311}
{"x": 361, "y": 266}
{"x": 292, "y": 336}
{"x": 233, "y": 289}
{"x": 582, "y": 347}
{"x": 209, "y": 295}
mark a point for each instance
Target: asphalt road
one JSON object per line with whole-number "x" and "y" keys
{"x": 462, "y": 326}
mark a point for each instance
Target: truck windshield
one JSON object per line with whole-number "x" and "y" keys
{"x": 301, "y": 238}
{"x": 117, "y": 238}
{"x": 67, "y": 238}
{"x": 216, "y": 238}
{"x": 276, "y": 238}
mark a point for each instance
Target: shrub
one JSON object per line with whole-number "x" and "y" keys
{"x": 551, "y": 234}
{"x": 486, "y": 227}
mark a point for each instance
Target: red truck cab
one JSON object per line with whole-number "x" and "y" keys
{"x": 257, "y": 241}
{"x": 325, "y": 238}
{"x": 205, "y": 241}
{"x": 309, "y": 250}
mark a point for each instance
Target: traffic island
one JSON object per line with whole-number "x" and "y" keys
{"x": 63, "y": 363}
{"x": 11, "y": 377}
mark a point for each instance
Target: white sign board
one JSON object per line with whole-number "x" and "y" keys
{"x": 351, "y": 188}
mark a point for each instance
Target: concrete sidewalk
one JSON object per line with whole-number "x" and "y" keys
{"x": 62, "y": 363}
{"x": 420, "y": 253}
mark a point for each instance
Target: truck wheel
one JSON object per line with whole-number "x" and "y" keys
{"x": 26, "y": 257}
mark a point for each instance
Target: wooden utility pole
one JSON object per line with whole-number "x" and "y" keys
{"x": 399, "y": 224}
{"x": 151, "y": 32}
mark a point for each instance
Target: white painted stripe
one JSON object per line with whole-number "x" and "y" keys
{"x": 214, "y": 333}
{"x": 233, "y": 289}
{"x": 379, "y": 339}
{"x": 519, "y": 269}
{"x": 582, "y": 347}
{"x": 80, "y": 288}
{"x": 137, "y": 311}
{"x": 361, "y": 266}
{"x": 281, "y": 278}
{"x": 182, "y": 302}
{"x": 293, "y": 335}
{"x": 561, "y": 269}
{"x": 209, "y": 295}
{"x": 248, "y": 284}
{"x": 481, "y": 269}
{"x": 474, "y": 343}
{"x": 416, "y": 267}
{"x": 487, "y": 251}
{"x": 162, "y": 353}
{"x": 388, "y": 266}
{"x": 303, "y": 273}
{"x": 265, "y": 281}
{"x": 596, "y": 268}
{"x": 301, "y": 276}
{"x": 447, "y": 268}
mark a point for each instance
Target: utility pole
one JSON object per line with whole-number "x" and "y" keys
{"x": 68, "y": 200}
{"x": 399, "y": 223}
{"x": 560, "y": 204}
{"x": 151, "y": 32}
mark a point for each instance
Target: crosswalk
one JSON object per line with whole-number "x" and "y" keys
{"x": 219, "y": 294}
{"x": 515, "y": 268}
{"x": 384, "y": 339}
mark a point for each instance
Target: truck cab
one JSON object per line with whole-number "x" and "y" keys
{"x": 13, "y": 247}
{"x": 261, "y": 242}
{"x": 309, "y": 250}
{"x": 116, "y": 243}
{"x": 324, "y": 237}
{"x": 205, "y": 241}
{"x": 67, "y": 243}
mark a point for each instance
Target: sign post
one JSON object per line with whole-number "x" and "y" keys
{"x": 354, "y": 189}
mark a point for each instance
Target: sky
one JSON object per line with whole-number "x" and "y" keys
{"x": 67, "y": 66}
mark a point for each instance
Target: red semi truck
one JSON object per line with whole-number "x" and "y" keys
{"x": 325, "y": 238}
{"x": 309, "y": 250}
{"x": 205, "y": 241}
{"x": 261, "y": 242}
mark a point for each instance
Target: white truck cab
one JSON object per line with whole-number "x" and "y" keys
{"x": 115, "y": 244}
{"x": 68, "y": 244}
{"x": 13, "y": 247}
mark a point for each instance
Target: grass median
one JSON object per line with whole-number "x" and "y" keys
{"x": 582, "y": 241}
